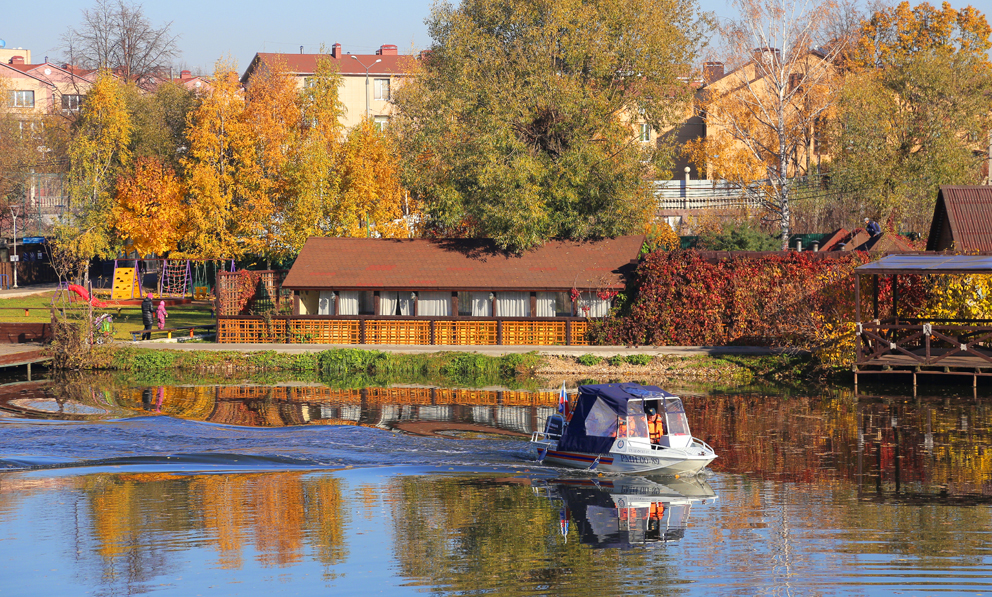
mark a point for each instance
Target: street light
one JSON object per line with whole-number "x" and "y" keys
{"x": 13, "y": 258}
{"x": 368, "y": 109}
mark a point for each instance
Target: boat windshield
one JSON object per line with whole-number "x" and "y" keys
{"x": 637, "y": 422}
{"x": 677, "y": 424}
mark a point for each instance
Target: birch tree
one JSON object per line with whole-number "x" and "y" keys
{"x": 764, "y": 114}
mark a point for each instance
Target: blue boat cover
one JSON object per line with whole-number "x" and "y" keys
{"x": 592, "y": 427}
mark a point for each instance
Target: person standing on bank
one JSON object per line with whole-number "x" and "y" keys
{"x": 161, "y": 314}
{"x": 147, "y": 316}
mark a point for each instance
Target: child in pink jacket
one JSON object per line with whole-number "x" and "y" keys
{"x": 161, "y": 315}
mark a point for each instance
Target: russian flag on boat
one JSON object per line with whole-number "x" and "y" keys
{"x": 563, "y": 400}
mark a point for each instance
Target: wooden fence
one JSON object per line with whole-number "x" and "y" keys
{"x": 955, "y": 347}
{"x": 422, "y": 331}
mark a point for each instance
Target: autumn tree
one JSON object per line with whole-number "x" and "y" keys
{"x": 311, "y": 172}
{"x": 913, "y": 112}
{"x": 372, "y": 201}
{"x": 762, "y": 118}
{"x": 17, "y": 150}
{"x": 224, "y": 178}
{"x": 99, "y": 150}
{"x": 159, "y": 120}
{"x": 149, "y": 211}
{"x": 116, "y": 35}
{"x": 517, "y": 125}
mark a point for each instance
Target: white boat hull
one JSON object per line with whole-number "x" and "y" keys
{"x": 672, "y": 461}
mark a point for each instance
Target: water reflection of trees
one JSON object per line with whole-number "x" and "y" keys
{"x": 137, "y": 520}
{"x": 880, "y": 443}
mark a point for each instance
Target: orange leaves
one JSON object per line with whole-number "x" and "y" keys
{"x": 148, "y": 210}
{"x": 893, "y": 34}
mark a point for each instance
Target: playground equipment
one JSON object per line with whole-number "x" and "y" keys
{"x": 83, "y": 294}
{"x": 178, "y": 278}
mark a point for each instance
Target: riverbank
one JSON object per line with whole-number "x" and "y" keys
{"x": 513, "y": 367}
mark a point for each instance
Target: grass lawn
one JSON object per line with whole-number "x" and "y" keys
{"x": 126, "y": 319}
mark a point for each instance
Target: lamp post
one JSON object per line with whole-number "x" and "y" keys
{"x": 13, "y": 259}
{"x": 368, "y": 109}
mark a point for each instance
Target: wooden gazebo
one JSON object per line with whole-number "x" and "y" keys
{"x": 914, "y": 346}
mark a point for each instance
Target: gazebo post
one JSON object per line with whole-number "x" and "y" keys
{"x": 895, "y": 298}
{"x": 874, "y": 298}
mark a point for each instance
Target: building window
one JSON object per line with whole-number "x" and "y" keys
{"x": 381, "y": 122}
{"x": 382, "y": 89}
{"x": 645, "y": 133}
{"x": 70, "y": 103}
{"x": 22, "y": 99}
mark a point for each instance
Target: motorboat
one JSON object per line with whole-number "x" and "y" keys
{"x": 625, "y": 511}
{"x": 607, "y": 429}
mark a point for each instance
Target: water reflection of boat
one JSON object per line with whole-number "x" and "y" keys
{"x": 609, "y": 429}
{"x": 626, "y": 512}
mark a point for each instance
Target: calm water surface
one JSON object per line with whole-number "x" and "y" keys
{"x": 111, "y": 489}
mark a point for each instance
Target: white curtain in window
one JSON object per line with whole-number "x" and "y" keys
{"x": 434, "y": 303}
{"x": 387, "y": 302}
{"x": 513, "y": 304}
{"x": 406, "y": 303}
{"x": 325, "y": 302}
{"x": 482, "y": 305}
{"x": 546, "y": 304}
{"x": 591, "y": 305}
{"x": 348, "y": 302}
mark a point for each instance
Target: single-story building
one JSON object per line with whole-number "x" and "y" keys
{"x": 962, "y": 220}
{"x": 443, "y": 291}
{"x": 459, "y": 277}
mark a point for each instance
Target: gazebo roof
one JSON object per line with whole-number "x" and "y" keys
{"x": 929, "y": 264}
{"x": 461, "y": 264}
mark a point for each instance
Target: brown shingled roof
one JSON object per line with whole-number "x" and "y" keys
{"x": 460, "y": 264}
{"x": 306, "y": 64}
{"x": 962, "y": 219}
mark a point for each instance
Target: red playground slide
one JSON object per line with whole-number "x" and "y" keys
{"x": 86, "y": 296}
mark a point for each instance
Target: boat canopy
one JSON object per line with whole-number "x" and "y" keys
{"x": 593, "y": 424}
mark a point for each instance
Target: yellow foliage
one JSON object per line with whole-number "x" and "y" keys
{"x": 959, "y": 297}
{"x": 148, "y": 209}
{"x": 660, "y": 236}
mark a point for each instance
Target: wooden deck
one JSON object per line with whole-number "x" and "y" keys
{"x": 924, "y": 348}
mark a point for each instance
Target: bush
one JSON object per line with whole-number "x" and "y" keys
{"x": 640, "y": 359}
{"x": 589, "y": 360}
{"x": 617, "y": 360}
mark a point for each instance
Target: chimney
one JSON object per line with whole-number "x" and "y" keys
{"x": 387, "y": 50}
{"x": 17, "y": 60}
{"x": 301, "y": 49}
{"x": 712, "y": 71}
{"x": 767, "y": 55}
{"x": 185, "y": 75}
{"x": 336, "y": 51}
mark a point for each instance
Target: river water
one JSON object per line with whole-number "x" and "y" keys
{"x": 111, "y": 487}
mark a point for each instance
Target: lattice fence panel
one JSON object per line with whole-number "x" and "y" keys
{"x": 529, "y": 398}
{"x": 324, "y": 331}
{"x": 478, "y": 397}
{"x": 325, "y": 395}
{"x": 399, "y": 395}
{"x": 403, "y": 331}
{"x": 477, "y": 333}
{"x": 534, "y": 332}
{"x": 227, "y": 293}
{"x": 580, "y": 333}
{"x": 250, "y": 331}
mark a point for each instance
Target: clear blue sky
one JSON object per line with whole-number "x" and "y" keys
{"x": 211, "y": 29}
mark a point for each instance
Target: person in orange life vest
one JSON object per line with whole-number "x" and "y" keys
{"x": 656, "y": 426}
{"x": 621, "y": 430}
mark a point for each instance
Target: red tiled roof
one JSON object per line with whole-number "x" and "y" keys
{"x": 304, "y": 64}
{"x": 460, "y": 264}
{"x": 962, "y": 219}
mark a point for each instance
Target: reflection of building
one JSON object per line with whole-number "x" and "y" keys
{"x": 386, "y": 68}
{"x": 627, "y": 511}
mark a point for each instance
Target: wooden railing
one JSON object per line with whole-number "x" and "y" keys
{"x": 924, "y": 343}
{"x": 423, "y": 331}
